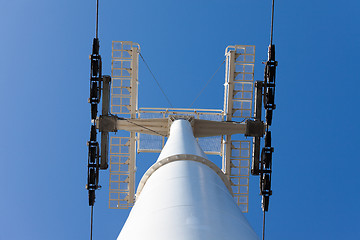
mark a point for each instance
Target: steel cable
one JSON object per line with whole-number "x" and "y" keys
{"x": 91, "y": 225}
{"x": 272, "y": 22}
{"x": 263, "y": 233}
{"x": 97, "y": 18}
{"x": 167, "y": 99}
{"x": 206, "y": 84}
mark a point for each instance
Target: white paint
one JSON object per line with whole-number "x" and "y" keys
{"x": 185, "y": 199}
{"x": 181, "y": 141}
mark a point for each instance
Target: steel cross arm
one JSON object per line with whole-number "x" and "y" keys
{"x": 153, "y": 126}
{"x": 207, "y": 128}
{"x": 161, "y": 126}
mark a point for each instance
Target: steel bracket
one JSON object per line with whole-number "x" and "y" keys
{"x": 254, "y": 128}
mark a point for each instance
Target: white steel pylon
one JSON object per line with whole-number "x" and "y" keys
{"x": 183, "y": 191}
{"x": 185, "y": 196}
{"x": 149, "y": 127}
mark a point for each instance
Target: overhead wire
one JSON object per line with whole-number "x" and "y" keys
{"x": 272, "y": 22}
{"x": 206, "y": 84}
{"x": 97, "y": 18}
{"x": 267, "y": 127}
{"x": 91, "y": 224}
{"x": 263, "y": 230}
{"x": 152, "y": 74}
{"x": 96, "y": 36}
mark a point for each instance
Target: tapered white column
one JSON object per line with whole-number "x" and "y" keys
{"x": 181, "y": 141}
{"x": 184, "y": 197}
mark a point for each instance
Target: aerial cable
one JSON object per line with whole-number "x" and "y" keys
{"x": 269, "y": 93}
{"x": 263, "y": 230}
{"x": 206, "y": 84}
{"x": 94, "y": 100}
{"x": 167, "y": 99}
{"x": 97, "y": 19}
{"x": 272, "y": 22}
{"x": 91, "y": 224}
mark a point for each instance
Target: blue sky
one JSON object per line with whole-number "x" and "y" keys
{"x": 45, "y": 47}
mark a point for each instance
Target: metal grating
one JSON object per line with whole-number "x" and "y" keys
{"x": 124, "y": 75}
{"x": 239, "y": 173}
{"x": 123, "y": 102}
{"x": 152, "y": 143}
{"x": 238, "y": 103}
{"x": 239, "y": 81}
{"x": 120, "y": 175}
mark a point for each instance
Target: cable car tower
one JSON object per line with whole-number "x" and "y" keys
{"x": 183, "y": 195}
